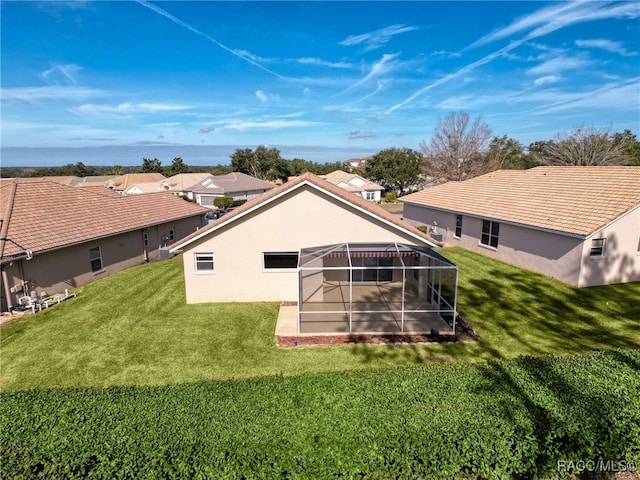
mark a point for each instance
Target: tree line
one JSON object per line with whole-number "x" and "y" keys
{"x": 460, "y": 148}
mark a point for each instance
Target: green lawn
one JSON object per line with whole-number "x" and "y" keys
{"x": 134, "y": 328}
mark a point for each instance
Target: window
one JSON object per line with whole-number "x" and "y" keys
{"x": 597, "y": 247}
{"x": 273, "y": 260}
{"x": 145, "y": 239}
{"x": 371, "y": 196}
{"x": 204, "y": 262}
{"x": 458, "y": 226}
{"x": 172, "y": 234}
{"x": 373, "y": 271}
{"x": 95, "y": 257}
{"x": 490, "y": 232}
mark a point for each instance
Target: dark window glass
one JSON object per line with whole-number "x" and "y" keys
{"x": 490, "y": 233}
{"x": 95, "y": 257}
{"x": 458, "y": 225}
{"x": 281, "y": 260}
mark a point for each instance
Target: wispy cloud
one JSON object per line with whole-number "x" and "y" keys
{"x": 265, "y": 97}
{"x": 607, "y": 45}
{"x": 127, "y": 108}
{"x": 376, "y": 39}
{"x": 537, "y": 24}
{"x": 562, "y": 15}
{"x": 611, "y": 96}
{"x": 560, "y": 63}
{"x": 61, "y": 74}
{"x": 546, "y": 80}
{"x": 383, "y": 66}
{"x": 271, "y": 124}
{"x": 38, "y": 94}
{"x": 237, "y": 53}
{"x": 323, "y": 63}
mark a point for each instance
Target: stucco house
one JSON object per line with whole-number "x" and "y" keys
{"x": 55, "y": 237}
{"x": 123, "y": 182}
{"x": 236, "y": 185}
{"x": 354, "y": 183}
{"x": 580, "y": 225}
{"x": 347, "y": 264}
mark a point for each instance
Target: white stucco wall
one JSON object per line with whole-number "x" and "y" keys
{"x": 302, "y": 218}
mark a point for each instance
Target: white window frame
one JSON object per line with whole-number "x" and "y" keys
{"x": 597, "y": 247}
{"x": 458, "y": 227}
{"x": 93, "y": 258}
{"x": 494, "y": 233}
{"x": 279, "y": 269}
{"x": 204, "y": 257}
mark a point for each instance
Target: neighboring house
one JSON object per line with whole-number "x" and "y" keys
{"x": 177, "y": 184}
{"x": 355, "y": 184}
{"x": 93, "y": 181}
{"x": 237, "y": 185}
{"x": 123, "y": 182}
{"x": 349, "y": 265}
{"x": 580, "y": 225}
{"x": 356, "y": 163}
{"x": 182, "y": 182}
{"x": 54, "y": 237}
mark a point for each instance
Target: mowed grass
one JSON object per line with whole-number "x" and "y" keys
{"x": 135, "y": 328}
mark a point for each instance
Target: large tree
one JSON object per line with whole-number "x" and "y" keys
{"x": 151, "y": 166}
{"x": 396, "y": 169}
{"x": 586, "y": 146}
{"x": 264, "y": 163}
{"x": 456, "y": 150}
{"x": 177, "y": 166}
{"x": 508, "y": 153}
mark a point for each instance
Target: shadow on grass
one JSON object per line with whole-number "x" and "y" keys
{"x": 571, "y": 413}
{"x": 518, "y": 312}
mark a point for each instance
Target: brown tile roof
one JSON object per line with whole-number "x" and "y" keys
{"x": 348, "y": 197}
{"x": 41, "y": 216}
{"x": 63, "y": 179}
{"x": 572, "y": 200}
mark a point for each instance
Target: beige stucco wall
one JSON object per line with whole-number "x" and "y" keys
{"x": 556, "y": 255}
{"x": 70, "y": 267}
{"x": 621, "y": 260}
{"x": 303, "y": 218}
{"x": 560, "y": 256}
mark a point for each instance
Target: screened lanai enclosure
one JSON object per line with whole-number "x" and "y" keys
{"x": 391, "y": 288}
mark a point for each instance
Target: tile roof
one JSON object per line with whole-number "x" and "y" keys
{"x": 41, "y": 216}
{"x": 230, "y": 183}
{"x": 347, "y": 197}
{"x": 571, "y": 200}
{"x": 184, "y": 181}
{"x": 346, "y": 180}
{"x": 125, "y": 181}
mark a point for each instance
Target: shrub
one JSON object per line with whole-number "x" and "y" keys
{"x": 496, "y": 420}
{"x": 223, "y": 202}
{"x": 391, "y": 197}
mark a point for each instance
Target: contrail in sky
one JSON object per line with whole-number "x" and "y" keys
{"x": 166, "y": 14}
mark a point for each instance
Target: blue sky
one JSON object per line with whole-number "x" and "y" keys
{"x": 351, "y": 77}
